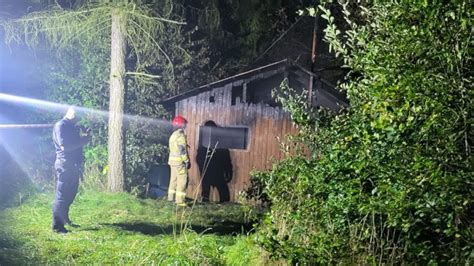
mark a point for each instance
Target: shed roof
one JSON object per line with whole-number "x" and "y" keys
{"x": 258, "y": 73}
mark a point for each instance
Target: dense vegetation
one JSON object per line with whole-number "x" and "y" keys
{"x": 391, "y": 179}
{"x": 74, "y": 70}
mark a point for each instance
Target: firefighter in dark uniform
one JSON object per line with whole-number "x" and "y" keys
{"x": 68, "y": 143}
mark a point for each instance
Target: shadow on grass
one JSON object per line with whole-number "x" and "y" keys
{"x": 225, "y": 228}
{"x": 10, "y": 253}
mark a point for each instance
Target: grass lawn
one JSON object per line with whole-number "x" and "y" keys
{"x": 121, "y": 229}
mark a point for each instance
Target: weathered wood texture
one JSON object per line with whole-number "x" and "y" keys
{"x": 267, "y": 126}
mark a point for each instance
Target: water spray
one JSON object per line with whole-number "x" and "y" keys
{"x": 59, "y": 107}
{"x": 10, "y": 140}
{"x": 14, "y": 126}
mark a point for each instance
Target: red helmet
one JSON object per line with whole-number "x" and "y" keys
{"x": 179, "y": 121}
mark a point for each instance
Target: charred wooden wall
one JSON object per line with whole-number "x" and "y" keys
{"x": 266, "y": 126}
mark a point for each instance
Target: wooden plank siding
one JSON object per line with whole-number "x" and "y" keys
{"x": 265, "y": 125}
{"x": 268, "y": 126}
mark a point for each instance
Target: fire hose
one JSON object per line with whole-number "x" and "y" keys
{"x": 13, "y": 126}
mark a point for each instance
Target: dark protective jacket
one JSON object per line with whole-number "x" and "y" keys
{"x": 67, "y": 134}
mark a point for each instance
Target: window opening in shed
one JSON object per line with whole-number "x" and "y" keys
{"x": 260, "y": 91}
{"x": 225, "y": 137}
{"x": 212, "y": 99}
{"x": 237, "y": 95}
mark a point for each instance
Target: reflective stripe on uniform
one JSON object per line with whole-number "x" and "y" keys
{"x": 177, "y": 148}
{"x": 180, "y": 193}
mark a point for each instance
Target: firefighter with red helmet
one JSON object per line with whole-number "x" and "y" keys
{"x": 178, "y": 162}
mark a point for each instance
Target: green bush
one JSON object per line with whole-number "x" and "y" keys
{"x": 391, "y": 179}
{"x": 79, "y": 74}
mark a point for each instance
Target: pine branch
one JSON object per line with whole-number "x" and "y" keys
{"x": 143, "y": 74}
{"x": 157, "y": 45}
{"x": 158, "y": 18}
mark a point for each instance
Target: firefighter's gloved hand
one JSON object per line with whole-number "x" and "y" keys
{"x": 85, "y": 130}
{"x": 88, "y": 135}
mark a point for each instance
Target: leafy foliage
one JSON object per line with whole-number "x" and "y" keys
{"x": 163, "y": 59}
{"x": 391, "y": 179}
{"x": 78, "y": 72}
{"x": 239, "y": 32}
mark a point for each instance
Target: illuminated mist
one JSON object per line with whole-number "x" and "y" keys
{"x": 81, "y": 111}
{"x": 25, "y": 148}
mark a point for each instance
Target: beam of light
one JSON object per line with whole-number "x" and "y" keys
{"x": 14, "y": 138}
{"x": 11, "y": 126}
{"x": 45, "y": 105}
{"x": 14, "y": 143}
{"x": 81, "y": 111}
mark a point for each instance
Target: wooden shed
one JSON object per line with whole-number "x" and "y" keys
{"x": 238, "y": 118}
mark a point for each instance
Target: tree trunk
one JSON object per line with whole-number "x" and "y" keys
{"x": 116, "y": 105}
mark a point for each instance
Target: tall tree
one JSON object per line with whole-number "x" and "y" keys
{"x": 117, "y": 95}
{"x": 85, "y": 27}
